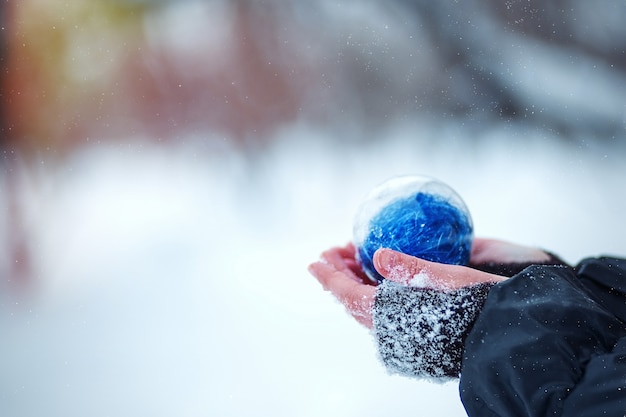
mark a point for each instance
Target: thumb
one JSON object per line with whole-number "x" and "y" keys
{"x": 409, "y": 270}
{"x": 402, "y": 268}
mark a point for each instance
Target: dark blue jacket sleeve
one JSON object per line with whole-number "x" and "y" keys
{"x": 548, "y": 344}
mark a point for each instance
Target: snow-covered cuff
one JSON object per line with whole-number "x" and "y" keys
{"x": 421, "y": 332}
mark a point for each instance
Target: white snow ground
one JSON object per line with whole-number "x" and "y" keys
{"x": 172, "y": 281}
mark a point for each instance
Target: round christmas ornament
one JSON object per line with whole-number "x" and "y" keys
{"x": 416, "y": 215}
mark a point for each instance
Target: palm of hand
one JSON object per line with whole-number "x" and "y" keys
{"x": 339, "y": 272}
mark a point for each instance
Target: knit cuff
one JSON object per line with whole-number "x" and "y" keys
{"x": 421, "y": 332}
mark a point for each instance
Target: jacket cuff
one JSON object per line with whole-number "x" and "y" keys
{"x": 420, "y": 332}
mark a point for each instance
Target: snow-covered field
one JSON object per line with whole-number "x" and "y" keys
{"x": 171, "y": 280}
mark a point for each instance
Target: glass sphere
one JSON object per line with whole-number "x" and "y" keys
{"x": 416, "y": 215}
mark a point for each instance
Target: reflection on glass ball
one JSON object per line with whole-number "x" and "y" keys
{"x": 416, "y": 215}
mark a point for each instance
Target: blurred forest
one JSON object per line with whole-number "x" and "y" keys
{"x": 82, "y": 71}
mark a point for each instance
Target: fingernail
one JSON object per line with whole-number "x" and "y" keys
{"x": 384, "y": 259}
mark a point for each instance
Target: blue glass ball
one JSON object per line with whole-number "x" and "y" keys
{"x": 416, "y": 215}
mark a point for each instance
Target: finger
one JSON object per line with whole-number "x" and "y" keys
{"x": 342, "y": 259}
{"x": 334, "y": 280}
{"x": 335, "y": 257}
{"x": 409, "y": 270}
{"x": 480, "y": 251}
{"x": 356, "y": 267}
{"x": 401, "y": 268}
{"x": 347, "y": 251}
{"x": 478, "y": 245}
{"x": 323, "y": 272}
{"x": 500, "y": 251}
{"x": 357, "y": 298}
{"x": 357, "y": 270}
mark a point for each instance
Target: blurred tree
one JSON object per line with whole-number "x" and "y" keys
{"x": 63, "y": 60}
{"x": 3, "y": 69}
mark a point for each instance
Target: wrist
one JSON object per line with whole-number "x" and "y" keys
{"x": 421, "y": 332}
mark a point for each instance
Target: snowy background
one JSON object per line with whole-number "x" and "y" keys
{"x": 143, "y": 276}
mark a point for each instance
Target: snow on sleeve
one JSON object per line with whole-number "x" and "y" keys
{"x": 420, "y": 332}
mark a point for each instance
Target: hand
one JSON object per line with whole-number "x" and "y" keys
{"x": 339, "y": 273}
